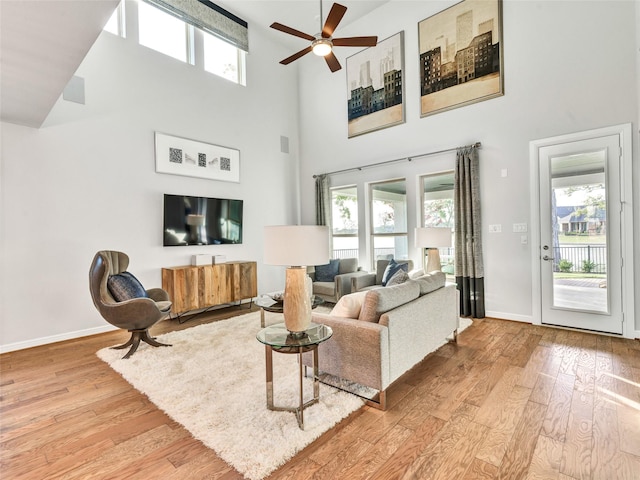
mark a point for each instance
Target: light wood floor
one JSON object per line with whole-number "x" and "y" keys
{"x": 509, "y": 401}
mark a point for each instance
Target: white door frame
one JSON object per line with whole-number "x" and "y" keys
{"x": 626, "y": 218}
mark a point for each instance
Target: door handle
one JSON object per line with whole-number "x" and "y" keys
{"x": 547, "y": 258}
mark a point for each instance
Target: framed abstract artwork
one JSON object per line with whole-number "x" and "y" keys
{"x": 460, "y": 51}
{"x": 375, "y": 86}
{"x": 182, "y": 156}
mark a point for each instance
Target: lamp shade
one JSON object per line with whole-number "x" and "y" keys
{"x": 433, "y": 237}
{"x": 296, "y": 245}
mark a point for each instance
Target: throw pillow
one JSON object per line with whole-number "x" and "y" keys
{"x": 391, "y": 269}
{"x": 349, "y": 306}
{"x": 399, "y": 277}
{"x": 328, "y": 272}
{"x": 124, "y": 286}
{"x": 416, "y": 272}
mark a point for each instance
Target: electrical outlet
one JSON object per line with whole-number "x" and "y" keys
{"x": 524, "y": 239}
{"x": 497, "y": 228}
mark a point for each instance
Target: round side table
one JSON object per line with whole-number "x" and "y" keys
{"x": 277, "y": 338}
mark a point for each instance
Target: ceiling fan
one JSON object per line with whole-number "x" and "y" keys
{"x": 322, "y": 43}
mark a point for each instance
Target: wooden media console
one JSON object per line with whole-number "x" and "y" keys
{"x": 196, "y": 287}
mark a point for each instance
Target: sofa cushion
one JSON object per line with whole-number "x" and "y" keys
{"x": 349, "y": 306}
{"x": 327, "y": 273}
{"x": 430, "y": 282}
{"x": 399, "y": 277}
{"x": 124, "y": 286}
{"x": 416, "y": 272}
{"x": 381, "y": 300}
{"x": 391, "y": 269}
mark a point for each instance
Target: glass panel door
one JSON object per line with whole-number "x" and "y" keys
{"x": 580, "y": 256}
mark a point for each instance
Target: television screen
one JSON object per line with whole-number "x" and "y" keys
{"x": 201, "y": 221}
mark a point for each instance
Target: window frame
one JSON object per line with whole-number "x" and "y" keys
{"x": 447, "y": 252}
{"x": 345, "y": 235}
{"x": 371, "y": 226}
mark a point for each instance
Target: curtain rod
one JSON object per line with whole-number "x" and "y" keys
{"x": 353, "y": 169}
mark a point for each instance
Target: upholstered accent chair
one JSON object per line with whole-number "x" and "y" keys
{"x": 332, "y": 281}
{"x": 123, "y": 302}
{"x": 375, "y": 279}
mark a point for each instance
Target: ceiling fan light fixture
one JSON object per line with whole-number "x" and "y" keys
{"x": 322, "y": 47}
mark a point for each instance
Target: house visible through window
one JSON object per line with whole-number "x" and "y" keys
{"x": 344, "y": 221}
{"x": 388, "y": 209}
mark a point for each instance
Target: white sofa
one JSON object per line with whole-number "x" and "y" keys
{"x": 396, "y": 328}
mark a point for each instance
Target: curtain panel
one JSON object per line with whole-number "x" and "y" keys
{"x": 469, "y": 265}
{"x": 209, "y": 17}
{"x": 323, "y": 200}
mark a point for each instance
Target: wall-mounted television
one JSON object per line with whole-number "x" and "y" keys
{"x": 201, "y": 220}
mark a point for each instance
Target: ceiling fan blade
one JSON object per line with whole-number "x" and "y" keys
{"x": 355, "y": 42}
{"x": 333, "y": 62}
{"x": 295, "y": 56}
{"x": 333, "y": 19}
{"x": 292, "y": 31}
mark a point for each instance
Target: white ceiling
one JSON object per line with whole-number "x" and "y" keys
{"x": 43, "y": 42}
{"x": 303, "y": 15}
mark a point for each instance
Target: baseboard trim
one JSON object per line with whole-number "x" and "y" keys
{"x": 36, "y": 342}
{"x": 510, "y": 316}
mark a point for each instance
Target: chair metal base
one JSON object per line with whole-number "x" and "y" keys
{"x": 134, "y": 341}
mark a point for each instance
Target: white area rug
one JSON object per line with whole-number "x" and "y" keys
{"x": 212, "y": 381}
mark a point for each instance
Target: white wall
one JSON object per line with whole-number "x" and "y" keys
{"x": 86, "y": 180}
{"x": 568, "y": 66}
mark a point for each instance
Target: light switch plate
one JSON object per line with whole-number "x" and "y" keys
{"x": 519, "y": 228}
{"x": 496, "y": 228}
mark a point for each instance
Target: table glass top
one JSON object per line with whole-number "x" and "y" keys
{"x": 278, "y": 336}
{"x": 268, "y": 303}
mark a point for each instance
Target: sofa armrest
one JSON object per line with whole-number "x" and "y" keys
{"x": 343, "y": 282}
{"x": 158, "y": 295}
{"x": 357, "y": 351}
{"x": 420, "y": 327}
{"x": 361, "y": 281}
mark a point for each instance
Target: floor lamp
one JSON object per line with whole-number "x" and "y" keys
{"x": 432, "y": 238}
{"x": 296, "y": 246}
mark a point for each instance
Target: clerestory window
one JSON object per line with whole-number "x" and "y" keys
{"x": 223, "y": 54}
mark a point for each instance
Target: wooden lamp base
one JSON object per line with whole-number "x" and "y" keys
{"x": 433, "y": 260}
{"x": 297, "y": 300}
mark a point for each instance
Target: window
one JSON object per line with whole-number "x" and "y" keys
{"x": 438, "y": 210}
{"x": 172, "y": 36}
{"x": 115, "y": 24}
{"x": 164, "y": 33}
{"x": 223, "y": 59}
{"x": 389, "y": 220}
{"x": 344, "y": 222}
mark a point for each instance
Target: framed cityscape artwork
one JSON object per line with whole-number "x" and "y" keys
{"x": 460, "y": 52}
{"x": 182, "y": 156}
{"x": 375, "y": 86}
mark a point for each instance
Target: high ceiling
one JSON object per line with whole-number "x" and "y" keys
{"x": 43, "y": 42}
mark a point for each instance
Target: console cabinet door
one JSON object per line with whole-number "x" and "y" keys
{"x": 247, "y": 285}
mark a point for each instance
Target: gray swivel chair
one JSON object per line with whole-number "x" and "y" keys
{"x": 331, "y": 291}
{"x": 136, "y": 315}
